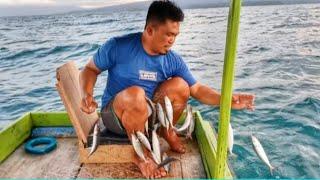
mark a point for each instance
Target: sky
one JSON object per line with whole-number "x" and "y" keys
{"x": 42, "y": 7}
{"x": 35, "y": 7}
{"x": 77, "y": 3}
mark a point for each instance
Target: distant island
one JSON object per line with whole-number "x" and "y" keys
{"x": 21, "y": 10}
{"x": 193, "y": 4}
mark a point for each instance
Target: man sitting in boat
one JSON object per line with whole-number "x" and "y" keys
{"x": 142, "y": 65}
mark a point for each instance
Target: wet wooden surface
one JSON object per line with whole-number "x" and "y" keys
{"x": 60, "y": 163}
{"x": 63, "y": 162}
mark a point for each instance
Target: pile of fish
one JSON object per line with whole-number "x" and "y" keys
{"x": 165, "y": 117}
{"x": 256, "y": 146}
{"x": 160, "y": 116}
{"x": 139, "y": 138}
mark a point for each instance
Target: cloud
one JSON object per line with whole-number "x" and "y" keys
{"x": 27, "y": 2}
{"x": 40, "y": 7}
{"x": 78, "y": 3}
{"x": 95, "y": 4}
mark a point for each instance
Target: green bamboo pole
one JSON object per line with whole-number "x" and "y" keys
{"x": 227, "y": 85}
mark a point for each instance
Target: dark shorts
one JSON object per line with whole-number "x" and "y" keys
{"x": 111, "y": 121}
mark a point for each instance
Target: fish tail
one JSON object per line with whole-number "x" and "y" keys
{"x": 272, "y": 170}
{"x": 233, "y": 155}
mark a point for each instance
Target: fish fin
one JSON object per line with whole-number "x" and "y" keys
{"x": 272, "y": 170}
{"x": 189, "y": 136}
{"x": 233, "y": 155}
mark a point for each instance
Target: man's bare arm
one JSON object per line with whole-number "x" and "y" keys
{"x": 205, "y": 94}
{"x": 210, "y": 96}
{"x": 88, "y": 78}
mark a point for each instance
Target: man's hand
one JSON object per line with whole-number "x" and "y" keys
{"x": 243, "y": 101}
{"x": 88, "y": 104}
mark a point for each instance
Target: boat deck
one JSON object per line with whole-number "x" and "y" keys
{"x": 63, "y": 162}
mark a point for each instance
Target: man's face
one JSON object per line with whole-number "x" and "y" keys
{"x": 164, "y": 35}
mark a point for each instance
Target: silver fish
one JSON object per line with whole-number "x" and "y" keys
{"x": 169, "y": 110}
{"x": 155, "y": 158}
{"x": 191, "y": 127}
{"x": 156, "y": 126}
{"x": 230, "y": 139}
{"x": 167, "y": 166}
{"x": 96, "y": 139}
{"x": 137, "y": 147}
{"x": 261, "y": 153}
{"x": 154, "y": 112}
{"x": 146, "y": 126}
{"x": 167, "y": 123}
{"x": 149, "y": 110}
{"x": 144, "y": 140}
{"x": 167, "y": 161}
{"x": 187, "y": 120}
{"x": 156, "y": 146}
{"x": 161, "y": 115}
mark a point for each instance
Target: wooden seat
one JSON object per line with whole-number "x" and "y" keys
{"x": 69, "y": 90}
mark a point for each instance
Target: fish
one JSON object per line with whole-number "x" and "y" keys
{"x": 166, "y": 161}
{"x": 146, "y": 126}
{"x": 156, "y": 146}
{"x": 191, "y": 127}
{"x": 144, "y": 140}
{"x": 187, "y": 120}
{"x": 261, "y": 153}
{"x": 137, "y": 147}
{"x": 167, "y": 166}
{"x": 161, "y": 115}
{"x": 154, "y": 113}
{"x": 230, "y": 140}
{"x": 169, "y": 110}
{"x": 167, "y": 123}
{"x": 96, "y": 139}
{"x": 155, "y": 158}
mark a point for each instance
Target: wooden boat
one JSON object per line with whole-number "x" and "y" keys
{"x": 63, "y": 162}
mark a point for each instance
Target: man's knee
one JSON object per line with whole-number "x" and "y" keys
{"x": 135, "y": 93}
{"x": 181, "y": 87}
{"x": 132, "y": 97}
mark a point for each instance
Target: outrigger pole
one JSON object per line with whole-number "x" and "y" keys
{"x": 227, "y": 87}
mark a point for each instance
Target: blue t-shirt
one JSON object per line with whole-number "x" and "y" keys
{"x": 128, "y": 64}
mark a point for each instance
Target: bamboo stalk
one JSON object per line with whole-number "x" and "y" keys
{"x": 227, "y": 87}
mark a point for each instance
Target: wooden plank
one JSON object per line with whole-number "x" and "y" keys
{"x": 191, "y": 163}
{"x": 175, "y": 167}
{"x": 107, "y": 154}
{"x": 13, "y": 135}
{"x": 175, "y": 171}
{"x": 207, "y": 144}
{"x": 111, "y": 170}
{"x": 60, "y": 163}
{"x": 50, "y": 119}
{"x": 69, "y": 90}
{"x": 188, "y": 166}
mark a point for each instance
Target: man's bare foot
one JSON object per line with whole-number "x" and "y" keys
{"x": 173, "y": 140}
{"x": 149, "y": 169}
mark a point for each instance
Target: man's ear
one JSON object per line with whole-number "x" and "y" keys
{"x": 150, "y": 30}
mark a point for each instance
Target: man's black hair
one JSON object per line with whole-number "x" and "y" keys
{"x": 160, "y": 11}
